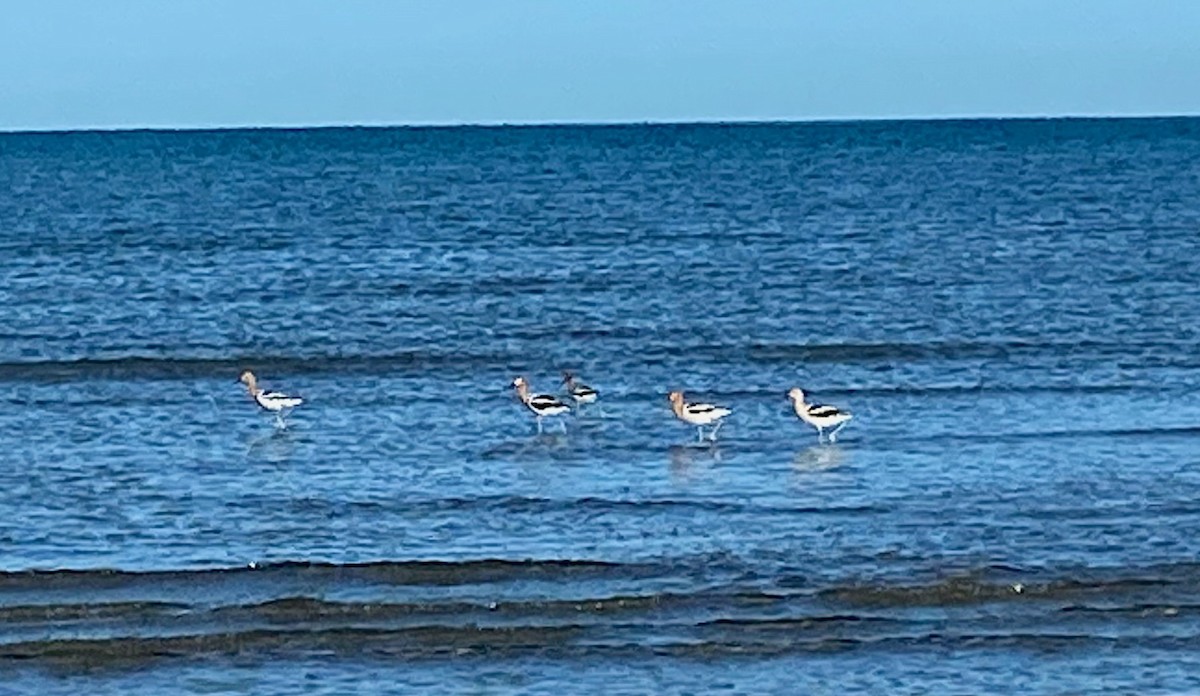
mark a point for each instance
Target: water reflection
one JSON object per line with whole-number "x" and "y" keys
{"x": 822, "y": 457}
{"x": 277, "y": 446}
{"x": 540, "y": 442}
{"x": 688, "y": 460}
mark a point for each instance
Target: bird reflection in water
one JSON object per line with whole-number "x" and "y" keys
{"x": 688, "y": 460}
{"x": 819, "y": 458}
{"x": 540, "y": 442}
{"x": 276, "y": 447}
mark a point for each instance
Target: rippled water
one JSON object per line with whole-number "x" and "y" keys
{"x": 1010, "y": 309}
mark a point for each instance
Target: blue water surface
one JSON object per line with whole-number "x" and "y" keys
{"x": 1009, "y": 308}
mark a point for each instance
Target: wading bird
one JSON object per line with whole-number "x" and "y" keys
{"x": 275, "y": 402}
{"x": 698, "y": 415}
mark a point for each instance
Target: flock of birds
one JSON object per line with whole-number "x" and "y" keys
{"x": 543, "y": 406}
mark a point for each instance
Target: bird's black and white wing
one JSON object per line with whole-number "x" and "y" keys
{"x": 823, "y": 411}
{"x": 544, "y": 401}
{"x": 278, "y": 400}
{"x": 544, "y": 404}
{"x": 583, "y": 394}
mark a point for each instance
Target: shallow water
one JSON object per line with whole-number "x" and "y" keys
{"x": 1009, "y": 308}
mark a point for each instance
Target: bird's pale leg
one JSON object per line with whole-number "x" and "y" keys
{"x": 713, "y": 435}
{"x": 833, "y": 435}
{"x": 539, "y": 423}
{"x": 820, "y": 434}
{"x": 562, "y": 424}
{"x": 699, "y": 433}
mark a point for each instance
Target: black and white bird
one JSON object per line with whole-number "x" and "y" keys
{"x": 580, "y": 392}
{"x": 819, "y": 416}
{"x": 698, "y": 415}
{"x": 278, "y": 403}
{"x": 542, "y": 405}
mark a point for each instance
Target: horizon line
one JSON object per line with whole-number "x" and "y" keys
{"x": 437, "y": 125}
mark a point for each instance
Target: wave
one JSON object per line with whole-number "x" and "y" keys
{"x": 163, "y": 368}
{"x": 969, "y": 590}
{"x": 656, "y": 348}
{"x": 801, "y": 622}
{"x": 307, "y": 609}
{"x": 424, "y": 641}
{"x": 554, "y": 642}
{"x": 381, "y": 572}
{"x": 310, "y": 610}
{"x": 1142, "y": 609}
{"x": 959, "y": 350}
{"x": 986, "y": 584}
{"x": 75, "y": 612}
{"x": 750, "y": 615}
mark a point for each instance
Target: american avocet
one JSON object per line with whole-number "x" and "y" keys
{"x": 698, "y": 415}
{"x": 582, "y": 393}
{"x": 275, "y": 402}
{"x": 542, "y": 405}
{"x": 819, "y": 416}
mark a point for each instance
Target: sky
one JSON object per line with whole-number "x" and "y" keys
{"x": 72, "y": 64}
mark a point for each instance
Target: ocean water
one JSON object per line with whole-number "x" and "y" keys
{"x": 1010, "y": 308}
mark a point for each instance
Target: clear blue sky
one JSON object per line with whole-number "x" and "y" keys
{"x": 185, "y": 63}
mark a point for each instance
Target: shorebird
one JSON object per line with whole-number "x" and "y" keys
{"x": 275, "y": 402}
{"x": 542, "y": 405}
{"x": 819, "y": 416}
{"x": 698, "y": 415}
{"x": 582, "y": 393}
